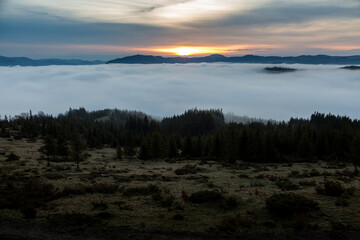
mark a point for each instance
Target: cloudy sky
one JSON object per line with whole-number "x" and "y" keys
{"x": 103, "y": 29}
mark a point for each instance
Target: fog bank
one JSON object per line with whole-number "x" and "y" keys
{"x": 165, "y": 90}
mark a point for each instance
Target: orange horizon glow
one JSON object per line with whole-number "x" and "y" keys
{"x": 186, "y": 51}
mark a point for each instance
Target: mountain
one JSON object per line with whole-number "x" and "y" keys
{"x": 304, "y": 59}
{"x": 149, "y": 59}
{"x": 23, "y": 61}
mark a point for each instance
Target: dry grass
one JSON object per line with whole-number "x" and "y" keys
{"x": 104, "y": 180}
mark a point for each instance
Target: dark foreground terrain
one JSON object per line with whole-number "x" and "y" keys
{"x": 134, "y": 199}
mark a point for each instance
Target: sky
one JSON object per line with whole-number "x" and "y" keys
{"x": 169, "y": 89}
{"x": 105, "y": 29}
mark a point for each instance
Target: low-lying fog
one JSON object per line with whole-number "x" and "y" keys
{"x": 165, "y": 90}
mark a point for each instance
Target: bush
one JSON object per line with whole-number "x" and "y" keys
{"x": 308, "y": 183}
{"x": 12, "y": 157}
{"x": 290, "y": 204}
{"x": 104, "y": 215}
{"x": 178, "y": 217}
{"x": 100, "y": 205}
{"x": 105, "y": 188}
{"x": 72, "y": 219}
{"x": 236, "y": 223}
{"x": 341, "y": 202}
{"x": 29, "y": 212}
{"x": 187, "y": 169}
{"x": 165, "y": 197}
{"x": 331, "y": 188}
{"x": 18, "y": 195}
{"x": 231, "y": 202}
{"x": 205, "y": 197}
{"x": 286, "y": 184}
{"x": 141, "y": 191}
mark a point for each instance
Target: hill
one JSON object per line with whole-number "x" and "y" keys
{"x": 303, "y": 59}
{"x": 24, "y": 61}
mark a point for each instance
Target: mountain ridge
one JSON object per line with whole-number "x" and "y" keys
{"x": 24, "y": 61}
{"x": 302, "y": 59}
{"x": 214, "y": 58}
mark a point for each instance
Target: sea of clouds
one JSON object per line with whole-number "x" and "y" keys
{"x": 165, "y": 90}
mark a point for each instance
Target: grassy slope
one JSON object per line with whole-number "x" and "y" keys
{"x": 251, "y": 184}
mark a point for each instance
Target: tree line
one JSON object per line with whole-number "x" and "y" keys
{"x": 196, "y": 134}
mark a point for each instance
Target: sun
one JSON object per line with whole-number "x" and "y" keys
{"x": 185, "y": 51}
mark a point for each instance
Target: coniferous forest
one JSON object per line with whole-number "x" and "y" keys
{"x": 196, "y": 134}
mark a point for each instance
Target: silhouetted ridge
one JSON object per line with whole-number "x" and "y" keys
{"x": 303, "y": 59}
{"x": 23, "y": 61}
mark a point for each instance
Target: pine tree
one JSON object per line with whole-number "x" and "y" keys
{"x": 77, "y": 148}
{"x": 48, "y": 148}
{"x": 119, "y": 155}
{"x": 144, "y": 151}
{"x": 188, "y": 147}
{"x": 156, "y": 145}
{"x": 355, "y": 153}
{"x": 129, "y": 143}
{"x": 172, "y": 149}
{"x": 62, "y": 148}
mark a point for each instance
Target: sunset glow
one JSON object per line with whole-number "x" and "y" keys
{"x": 185, "y": 51}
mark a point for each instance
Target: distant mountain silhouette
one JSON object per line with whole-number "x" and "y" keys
{"x": 304, "y": 59}
{"x": 23, "y": 61}
{"x": 149, "y": 59}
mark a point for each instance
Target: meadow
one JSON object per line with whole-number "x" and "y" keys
{"x": 174, "y": 196}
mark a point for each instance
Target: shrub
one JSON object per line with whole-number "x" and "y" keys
{"x": 72, "y": 219}
{"x": 104, "y": 215}
{"x": 18, "y": 195}
{"x": 290, "y": 204}
{"x": 331, "y": 188}
{"x": 231, "y": 202}
{"x": 105, "y": 188}
{"x": 164, "y": 197}
{"x": 141, "y": 191}
{"x": 12, "y": 157}
{"x": 187, "y": 169}
{"x": 178, "y": 217}
{"x": 308, "y": 183}
{"x": 341, "y": 201}
{"x": 314, "y": 173}
{"x": 29, "y": 212}
{"x": 100, "y": 205}
{"x": 205, "y": 197}
{"x": 236, "y": 223}
{"x": 286, "y": 184}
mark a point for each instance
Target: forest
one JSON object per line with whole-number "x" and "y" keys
{"x": 195, "y": 134}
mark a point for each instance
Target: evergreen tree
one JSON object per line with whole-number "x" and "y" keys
{"x": 187, "y": 150}
{"x": 77, "y": 147}
{"x": 156, "y": 146}
{"x": 48, "y": 148}
{"x": 144, "y": 151}
{"x": 119, "y": 154}
{"x": 62, "y": 148}
{"x": 129, "y": 143}
{"x": 172, "y": 151}
{"x": 355, "y": 153}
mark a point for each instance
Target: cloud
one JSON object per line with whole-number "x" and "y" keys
{"x": 164, "y": 90}
{"x": 285, "y": 27}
